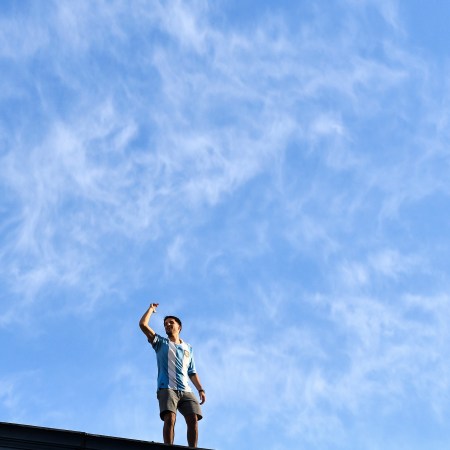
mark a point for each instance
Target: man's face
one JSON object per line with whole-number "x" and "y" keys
{"x": 171, "y": 326}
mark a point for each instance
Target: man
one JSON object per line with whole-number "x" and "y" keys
{"x": 175, "y": 367}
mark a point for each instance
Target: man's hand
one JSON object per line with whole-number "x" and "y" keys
{"x": 153, "y": 307}
{"x": 202, "y": 396}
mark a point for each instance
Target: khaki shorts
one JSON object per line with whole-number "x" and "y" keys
{"x": 171, "y": 400}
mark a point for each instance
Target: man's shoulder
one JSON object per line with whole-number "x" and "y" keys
{"x": 158, "y": 340}
{"x": 162, "y": 338}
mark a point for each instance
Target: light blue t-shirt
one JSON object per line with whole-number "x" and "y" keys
{"x": 175, "y": 364}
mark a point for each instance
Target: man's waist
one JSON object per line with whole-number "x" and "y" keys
{"x": 176, "y": 390}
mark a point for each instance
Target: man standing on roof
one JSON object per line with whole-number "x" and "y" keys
{"x": 175, "y": 367}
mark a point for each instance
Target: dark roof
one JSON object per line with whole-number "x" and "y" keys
{"x": 26, "y": 437}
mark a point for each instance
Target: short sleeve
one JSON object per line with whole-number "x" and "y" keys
{"x": 156, "y": 342}
{"x": 191, "y": 366}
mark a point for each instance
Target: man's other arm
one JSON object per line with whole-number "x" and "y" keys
{"x": 201, "y": 392}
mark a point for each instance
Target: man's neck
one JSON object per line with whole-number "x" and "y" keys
{"x": 174, "y": 338}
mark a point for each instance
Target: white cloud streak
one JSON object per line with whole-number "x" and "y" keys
{"x": 111, "y": 157}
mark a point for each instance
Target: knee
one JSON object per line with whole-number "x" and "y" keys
{"x": 169, "y": 418}
{"x": 191, "y": 420}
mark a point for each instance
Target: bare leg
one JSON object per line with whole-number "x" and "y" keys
{"x": 192, "y": 429}
{"x": 169, "y": 427}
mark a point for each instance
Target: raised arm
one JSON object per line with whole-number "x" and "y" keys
{"x": 143, "y": 323}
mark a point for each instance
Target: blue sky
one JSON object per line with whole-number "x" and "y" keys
{"x": 273, "y": 172}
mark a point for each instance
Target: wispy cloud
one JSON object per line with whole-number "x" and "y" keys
{"x": 285, "y": 176}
